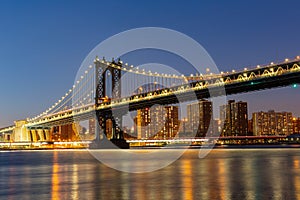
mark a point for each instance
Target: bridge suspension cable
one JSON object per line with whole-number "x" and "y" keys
{"x": 136, "y": 80}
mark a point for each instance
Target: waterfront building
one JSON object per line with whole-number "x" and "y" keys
{"x": 296, "y": 125}
{"x": 272, "y": 123}
{"x": 66, "y": 132}
{"x": 157, "y": 122}
{"x": 200, "y": 116}
{"x": 171, "y": 127}
{"x": 234, "y": 117}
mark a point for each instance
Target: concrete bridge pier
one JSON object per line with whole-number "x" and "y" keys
{"x": 33, "y": 134}
{"x": 21, "y": 133}
{"x": 41, "y": 135}
{"x": 47, "y": 134}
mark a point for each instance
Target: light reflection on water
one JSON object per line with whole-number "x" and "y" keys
{"x": 223, "y": 174}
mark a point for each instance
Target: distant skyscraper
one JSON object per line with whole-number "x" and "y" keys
{"x": 272, "y": 123}
{"x": 199, "y": 116}
{"x": 234, "y": 116}
{"x": 159, "y": 122}
{"x": 92, "y": 126}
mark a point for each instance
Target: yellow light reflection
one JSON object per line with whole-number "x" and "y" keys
{"x": 296, "y": 177}
{"x": 75, "y": 186}
{"x": 187, "y": 179}
{"x": 296, "y": 164}
{"x": 248, "y": 179}
{"x": 55, "y": 178}
{"x": 221, "y": 173}
{"x": 276, "y": 178}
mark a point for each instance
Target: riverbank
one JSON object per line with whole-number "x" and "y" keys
{"x": 12, "y": 146}
{"x": 217, "y": 146}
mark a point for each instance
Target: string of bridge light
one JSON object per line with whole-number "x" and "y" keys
{"x": 72, "y": 89}
{"x": 297, "y": 58}
{"x": 63, "y": 97}
{"x": 155, "y": 74}
{"x": 136, "y": 71}
{"x": 75, "y": 93}
{"x": 87, "y": 94}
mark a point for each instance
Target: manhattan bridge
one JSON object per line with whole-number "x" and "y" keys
{"x": 88, "y": 97}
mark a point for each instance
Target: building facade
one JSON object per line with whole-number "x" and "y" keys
{"x": 157, "y": 122}
{"x": 199, "y": 117}
{"x": 296, "y": 125}
{"x": 272, "y": 123}
{"x": 234, "y": 117}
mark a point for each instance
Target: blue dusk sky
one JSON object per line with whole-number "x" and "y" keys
{"x": 43, "y": 43}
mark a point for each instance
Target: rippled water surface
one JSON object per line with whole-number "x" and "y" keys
{"x": 223, "y": 174}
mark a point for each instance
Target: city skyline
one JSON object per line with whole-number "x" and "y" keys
{"x": 44, "y": 44}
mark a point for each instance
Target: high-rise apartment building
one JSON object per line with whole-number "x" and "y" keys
{"x": 159, "y": 122}
{"x": 272, "y": 123}
{"x": 234, "y": 117}
{"x": 199, "y": 117}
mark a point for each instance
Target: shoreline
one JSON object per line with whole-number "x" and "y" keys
{"x": 228, "y": 146}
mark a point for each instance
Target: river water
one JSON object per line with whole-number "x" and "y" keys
{"x": 222, "y": 174}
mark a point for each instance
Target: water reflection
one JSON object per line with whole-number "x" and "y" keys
{"x": 248, "y": 177}
{"x": 75, "y": 186}
{"x": 222, "y": 179}
{"x": 224, "y": 174}
{"x": 296, "y": 176}
{"x": 55, "y": 178}
{"x": 187, "y": 179}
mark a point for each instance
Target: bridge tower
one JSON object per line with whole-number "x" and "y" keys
{"x": 115, "y": 70}
{"x": 101, "y": 96}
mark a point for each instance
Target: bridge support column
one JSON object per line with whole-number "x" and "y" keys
{"x": 102, "y": 130}
{"x": 33, "y": 133}
{"x": 117, "y": 132}
{"x": 103, "y": 140}
{"x": 47, "y": 134}
{"x": 40, "y": 133}
{"x": 100, "y": 124}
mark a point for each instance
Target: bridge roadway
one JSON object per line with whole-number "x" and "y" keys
{"x": 274, "y": 75}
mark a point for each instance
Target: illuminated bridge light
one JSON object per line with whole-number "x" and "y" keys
{"x": 83, "y": 105}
